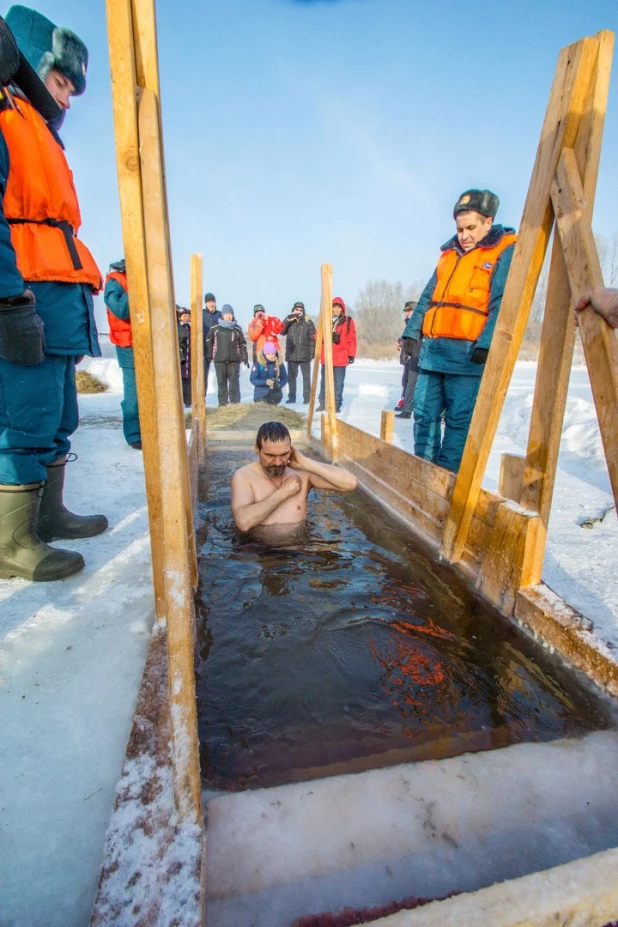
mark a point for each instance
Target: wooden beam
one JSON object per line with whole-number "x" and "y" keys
{"x": 319, "y": 338}
{"x": 178, "y": 528}
{"x": 564, "y": 113}
{"x": 124, "y": 99}
{"x": 198, "y": 385}
{"x": 505, "y": 566}
{"x": 387, "y": 425}
{"x": 326, "y": 312}
{"x": 558, "y": 331}
{"x": 511, "y": 474}
{"x": 599, "y": 340}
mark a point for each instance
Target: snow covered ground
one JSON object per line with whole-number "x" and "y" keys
{"x": 72, "y": 652}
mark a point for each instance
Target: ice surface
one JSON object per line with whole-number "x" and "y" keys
{"x": 423, "y": 829}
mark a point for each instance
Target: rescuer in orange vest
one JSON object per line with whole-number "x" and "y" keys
{"x": 119, "y": 318}
{"x": 47, "y": 278}
{"x": 456, "y": 315}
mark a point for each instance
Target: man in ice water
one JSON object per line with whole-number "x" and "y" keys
{"x": 273, "y": 490}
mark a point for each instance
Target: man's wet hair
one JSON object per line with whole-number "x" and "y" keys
{"x": 271, "y": 431}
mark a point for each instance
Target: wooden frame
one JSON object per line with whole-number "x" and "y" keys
{"x": 561, "y": 191}
{"x": 325, "y": 337}
{"x": 143, "y": 198}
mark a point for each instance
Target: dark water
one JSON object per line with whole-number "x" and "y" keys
{"x": 350, "y": 648}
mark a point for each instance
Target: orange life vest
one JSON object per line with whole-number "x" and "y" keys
{"x": 459, "y": 304}
{"x": 119, "y": 329}
{"x": 40, "y": 202}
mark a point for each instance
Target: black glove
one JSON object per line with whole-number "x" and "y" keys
{"x": 408, "y": 346}
{"x": 479, "y": 355}
{"x": 336, "y": 337}
{"x": 350, "y": 359}
{"x": 21, "y": 330}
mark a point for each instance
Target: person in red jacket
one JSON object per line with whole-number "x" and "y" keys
{"x": 263, "y": 328}
{"x": 344, "y": 351}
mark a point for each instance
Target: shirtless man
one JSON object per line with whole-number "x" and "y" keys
{"x": 273, "y": 490}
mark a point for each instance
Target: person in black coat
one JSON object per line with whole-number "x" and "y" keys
{"x": 211, "y": 316}
{"x": 227, "y": 347}
{"x": 299, "y": 350}
{"x": 184, "y": 343}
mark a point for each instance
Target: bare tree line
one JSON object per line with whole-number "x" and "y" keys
{"x": 378, "y": 309}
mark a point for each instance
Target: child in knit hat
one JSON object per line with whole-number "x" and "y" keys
{"x": 268, "y": 375}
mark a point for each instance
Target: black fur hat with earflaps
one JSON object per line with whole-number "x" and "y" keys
{"x": 48, "y": 47}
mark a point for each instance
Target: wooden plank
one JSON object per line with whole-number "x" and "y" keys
{"x": 326, "y": 312}
{"x": 558, "y": 332}
{"x": 177, "y": 520}
{"x": 564, "y": 113}
{"x": 584, "y": 270}
{"x": 123, "y": 79}
{"x": 198, "y": 385}
{"x": 316, "y": 372}
{"x": 511, "y": 475}
{"x": 566, "y": 629}
{"x": 505, "y": 564}
{"x": 387, "y": 425}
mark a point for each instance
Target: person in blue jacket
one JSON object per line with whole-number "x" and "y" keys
{"x": 456, "y": 315}
{"x": 47, "y": 280}
{"x": 268, "y": 375}
{"x": 116, "y": 297}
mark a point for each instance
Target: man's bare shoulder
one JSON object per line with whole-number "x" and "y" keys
{"x": 247, "y": 471}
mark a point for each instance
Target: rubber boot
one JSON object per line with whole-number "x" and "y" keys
{"x": 55, "y": 520}
{"x": 22, "y": 553}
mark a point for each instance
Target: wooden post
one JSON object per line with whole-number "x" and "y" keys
{"x": 326, "y": 311}
{"x": 387, "y": 425}
{"x": 133, "y": 58}
{"x": 511, "y": 475}
{"x": 584, "y": 269}
{"x": 178, "y": 530}
{"x": 198, "y": 385}
{"x": 567, "y": 108}
{"x": 316, "y": 372}
{"x": 123, "y": 76}
{"x": 558, "y": 332}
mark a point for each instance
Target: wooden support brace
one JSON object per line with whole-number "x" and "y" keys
{"x": 124, "y": 99}
{"x": 387, "y": 425}
{"x": 198, "y": 384}
{"x": 326, "y": 313}
{"x": 178, "y": 531}
{"x": 599, "y": 340}
{"x": 511, "y": 474}
{"x": 567, "y": 107}
{"x": 506, "y": 564}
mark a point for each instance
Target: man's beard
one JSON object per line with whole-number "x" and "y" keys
{"x": 274, "y": 471}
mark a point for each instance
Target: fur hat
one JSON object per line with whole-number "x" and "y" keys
{"x": 210, "y": 298}
{"x": 258, "y": 308}
{"x": 120, "y": 266}
{"x": 410, "y": 306}
{"x": 269, "y": 348}
{"x": 47, "y": 47}
{"x": 482, "y": 201}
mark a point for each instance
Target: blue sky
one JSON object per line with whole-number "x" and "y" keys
{"x": 304, "y": 131}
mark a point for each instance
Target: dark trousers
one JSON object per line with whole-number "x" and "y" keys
{"x": 206, "y": 372}
{"x": 455, "y": 396}
{"x": 339, "y": 377}
{"x": 272, "y": 398}
{"x": 186, "y": 390}
{"x": 130, "y": 409}
{"x": 409, "y": 385}
{"x": 305, "y": 369}
{"x": 228, "y": 381}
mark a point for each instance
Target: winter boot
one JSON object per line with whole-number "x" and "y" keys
{"x": 55, "y": 520}
{"x": 22, "y": 553}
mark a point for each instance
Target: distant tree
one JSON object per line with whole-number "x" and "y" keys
{"x": 608, "y": 256}
{"x": 378, "y": 311}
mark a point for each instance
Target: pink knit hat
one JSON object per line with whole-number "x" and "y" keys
{"x": 269, "y": 348}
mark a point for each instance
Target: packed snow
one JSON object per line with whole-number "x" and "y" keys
{"x": 72, "y": 652}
